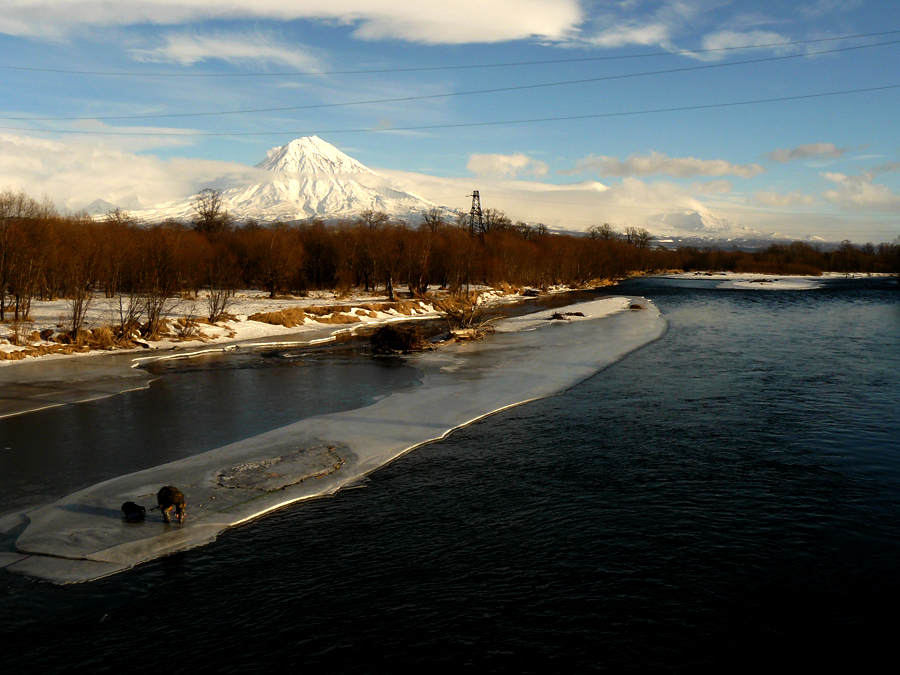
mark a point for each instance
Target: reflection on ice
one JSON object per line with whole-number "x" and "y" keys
{"x": 83, "y": 536}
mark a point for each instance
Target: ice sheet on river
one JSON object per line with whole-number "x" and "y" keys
{"x": 83, "y": 536}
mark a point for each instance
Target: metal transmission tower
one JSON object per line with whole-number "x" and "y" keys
{"x": 476, "y": 220}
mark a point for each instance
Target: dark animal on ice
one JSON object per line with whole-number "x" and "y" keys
{"x": 170, "y": 497}
{"x": 133, "y": 512}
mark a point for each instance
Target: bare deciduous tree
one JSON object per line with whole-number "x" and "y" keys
{"x": 373, "y": 220}
{"x": 603, "y": 232}
{"x": 211, "y": 216}
{"x": 638, "y": 236}
{"x": 433, "y": 220}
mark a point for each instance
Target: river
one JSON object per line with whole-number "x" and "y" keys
{"x": 726, "y": 495}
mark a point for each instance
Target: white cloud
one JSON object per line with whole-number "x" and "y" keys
{"x": 819, "y": 8}
{"x": 505, "y": 166}
{"x": 573, "y": 206}
{"x": 634, "y": 23}
{"x": 621, "y": 35}
{"x": 712, "y": 187}
{"x": 427, "y": 21}
{"x": 189, "y": 48}
{"x": 859, "y": 193}
{"x": 75, "y": 172}
{"x": 779, "y": 200}
{"x": 746, "y": 41}
{"x": 729, "y": 39}
{"x": 819, "y": 150}
{"x": 657, "y": 163}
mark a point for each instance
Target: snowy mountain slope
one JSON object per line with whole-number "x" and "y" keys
{"x": 306, "y": 178}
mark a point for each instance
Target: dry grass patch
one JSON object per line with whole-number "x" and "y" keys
{"x": 289, "y": 318}
{"x": 339, "y": 318}
{"x": 102, "y": 338}
{"x": 42, "y": 350}
{"x": 295, "y": 316}
{"x": 336, "y": 314}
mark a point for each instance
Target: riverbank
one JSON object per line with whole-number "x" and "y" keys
{"x": 250, "y": 315}
{"x": 43, "y": 373}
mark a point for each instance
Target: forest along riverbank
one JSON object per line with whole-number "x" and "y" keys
{"x": 528, "y": 357}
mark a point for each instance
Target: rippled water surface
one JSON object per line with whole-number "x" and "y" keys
{"x": 728, "y": 494}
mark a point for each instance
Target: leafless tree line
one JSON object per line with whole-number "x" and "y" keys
{"x": 146, "y": 268}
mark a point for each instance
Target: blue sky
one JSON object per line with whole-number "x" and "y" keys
{"x": 822, "y": 165}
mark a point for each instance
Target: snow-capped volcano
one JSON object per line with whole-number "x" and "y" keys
{"x": 310, "y": 154}
{"x": 307, "y": 178}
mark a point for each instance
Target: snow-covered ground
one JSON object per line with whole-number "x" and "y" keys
{"x": 103, "y": 312}
{"x": 358, "y": 309}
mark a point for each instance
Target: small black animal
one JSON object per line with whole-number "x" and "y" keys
{"x": 133, "y": 512}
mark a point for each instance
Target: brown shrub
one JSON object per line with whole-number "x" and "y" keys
{"x": 187, "y": 328}
{"x": 394, "y": 338}
{"x": 17, "y": 333}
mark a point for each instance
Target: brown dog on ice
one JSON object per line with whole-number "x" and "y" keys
{"x": 168, "y": 497}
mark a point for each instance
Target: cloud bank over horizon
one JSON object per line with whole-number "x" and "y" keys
{"x": 79, "y": 172}
{"x": 656, "y": 163}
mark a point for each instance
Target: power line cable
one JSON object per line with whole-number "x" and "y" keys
{"x": 424, "y": 97}
{"x": 456, "y": 67}
{"x": 461, "y": 125}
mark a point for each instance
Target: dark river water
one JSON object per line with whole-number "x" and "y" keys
{"x": 727, "y": 495}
